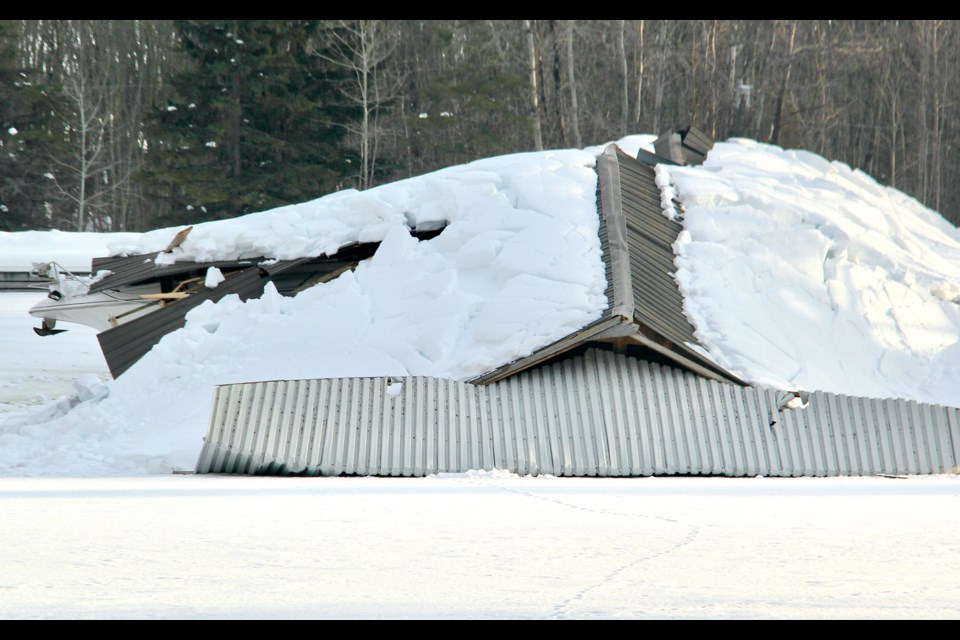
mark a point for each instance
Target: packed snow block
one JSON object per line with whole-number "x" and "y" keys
{"x": 597, "y": 414}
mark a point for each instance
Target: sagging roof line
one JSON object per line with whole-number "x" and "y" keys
{"x": 645, "y": 305}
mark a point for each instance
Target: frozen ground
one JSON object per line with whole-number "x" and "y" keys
{"x": 479, "y": 545}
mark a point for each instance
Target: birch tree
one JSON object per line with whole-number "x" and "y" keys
{"x": 361, "y": 47}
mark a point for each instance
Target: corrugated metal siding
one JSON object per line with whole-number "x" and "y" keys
{"x": 600, "y": 414}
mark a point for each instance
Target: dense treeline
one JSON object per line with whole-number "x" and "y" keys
{"x": 138, "y": 124}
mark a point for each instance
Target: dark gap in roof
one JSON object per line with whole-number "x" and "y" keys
{"x": 427, "y": 234}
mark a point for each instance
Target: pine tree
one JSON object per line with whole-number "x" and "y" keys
{"x": 27, "y": 137}
{"x": 254, "y": 122}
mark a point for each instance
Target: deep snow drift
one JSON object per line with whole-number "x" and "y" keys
{"x": 797, "y": 272}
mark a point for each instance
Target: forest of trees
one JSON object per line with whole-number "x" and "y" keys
{"x": 131, "y": 125}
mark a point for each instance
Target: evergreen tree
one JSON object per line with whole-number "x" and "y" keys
{"x": 253, "y": 122}
{"x": 27, "y": 138}
{"x": 465, "y": 93}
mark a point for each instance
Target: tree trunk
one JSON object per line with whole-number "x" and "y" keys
{"x": 624, "y": 77}
{"x": 782, "y": 94}
{"x": 637, "y": 105}
{"x": 534, "y": 92}
{"x": 572, "y": 82}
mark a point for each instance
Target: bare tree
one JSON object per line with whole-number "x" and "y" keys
{"x": 361, "y": 47}
{"x": 624, "y": 76}
{"x": 534, "y": 92}
{"x": 569, "y": 59}
{"x": 109, "y": 72}
{"x": 641, "y": 68}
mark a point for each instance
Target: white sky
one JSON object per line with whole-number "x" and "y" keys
{"x": 798, "y": 273}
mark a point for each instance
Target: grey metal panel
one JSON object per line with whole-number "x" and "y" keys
{"x": 683, "y": 423}
{"x": 953, "y": 418}
{"x": 650, "y": 237}
{"x": 696, "y": 141}
{"x": 926, "y": 443}
{"x": 617, "y": 448}
{"x": 137, "y": 268}
{"x": 670, "y": 145}
{"x": 613, "y": 240}
{"x": 684, "y": 146}
{"x": 636, "y": 240}
{"x": 867, "y": 437}
{"x": 26, "y": 281}
{"x": 847, "y": 459}
{"x": 597, "y": 414}
{"x": 748, "y": 446}
{"x": 591, "y": 331}
{"x": 123, "y": 345}
{"x": 943, "y": 440}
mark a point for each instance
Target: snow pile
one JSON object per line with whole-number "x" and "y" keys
{"x": 803, "y": 273}
{"x": 798, "y": 273}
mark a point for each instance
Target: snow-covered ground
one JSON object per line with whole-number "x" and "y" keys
{"x": 479, "y": 545}
{"x": 476, "y": 545}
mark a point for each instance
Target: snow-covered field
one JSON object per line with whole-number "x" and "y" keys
{"x": 474, "y": 546}
{"x": 466, "y": 546}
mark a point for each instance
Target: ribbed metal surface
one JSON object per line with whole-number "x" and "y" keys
{"x": 649, "y": 235}
{"x": 133, "y": 269}
{"x": 123, "y": 345}
{"x": 600, "y": 414}
{"x": 636, "y": 239}
{"x": 603, "y": 327}
{"x": 24, "y": 281}
{"x": 697, "y": 141}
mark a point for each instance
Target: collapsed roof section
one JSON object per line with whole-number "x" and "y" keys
{"x": 645, "y": 304}
{"x": 684, "y": 146}
{"x": 126, "y": 343}
{"x": 645, "y": 312}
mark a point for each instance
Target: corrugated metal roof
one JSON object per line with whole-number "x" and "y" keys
{"x": 124, "y": 344}
{"x": 697, "y": 141}
{"x": 139, "y": 268}
{"x": 599, "y": 414}
{"x": 684, "y": 146}
{"x": 645, "y": 305}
